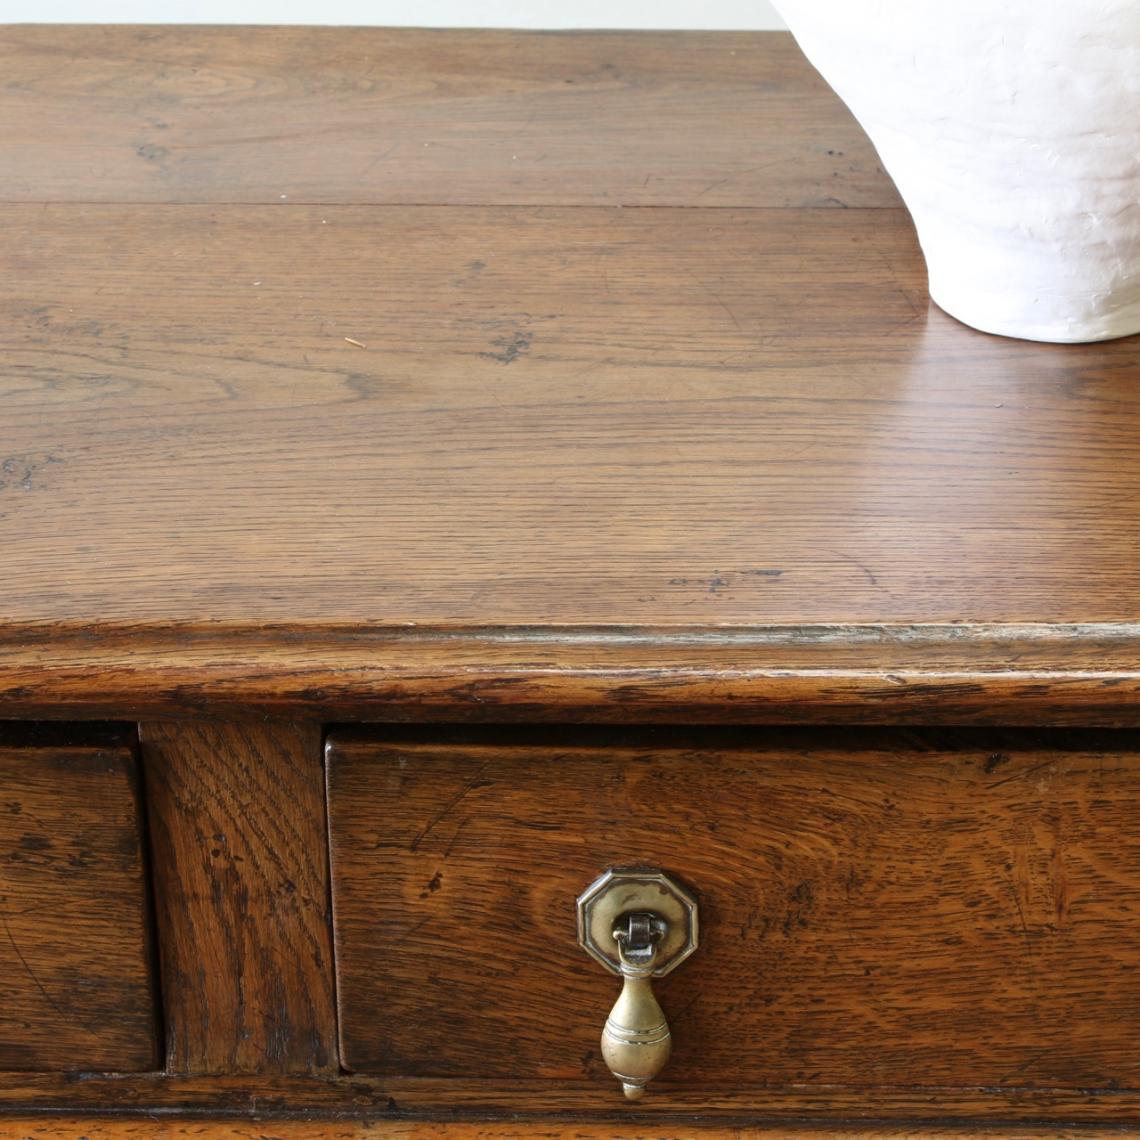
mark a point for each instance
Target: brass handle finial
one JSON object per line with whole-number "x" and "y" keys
{"x": 639, "y": 924}
{"x": 636, "y": 1041}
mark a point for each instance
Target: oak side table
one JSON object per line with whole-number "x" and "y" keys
{"x": 445, "y": 476}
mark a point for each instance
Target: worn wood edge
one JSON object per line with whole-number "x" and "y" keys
{"x": 118, "y": 1128}
{"x": 368, "y": 742}
{"x": 372, "y": 1099}
{"x": 1029, "y": 673}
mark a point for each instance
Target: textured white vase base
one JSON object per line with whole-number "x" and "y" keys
{"x": 989, "y": 312}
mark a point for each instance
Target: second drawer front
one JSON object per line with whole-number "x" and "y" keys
{"x": 885, "y": 913}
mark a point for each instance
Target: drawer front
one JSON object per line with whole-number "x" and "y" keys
{"x": 875, "y": 910}
{"x": 74, "y": 948}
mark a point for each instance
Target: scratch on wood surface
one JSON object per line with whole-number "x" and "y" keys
{"x": 1022, "y": 775}
{"x": 711, "y": 292}
{"x": 65, "y": 1013}
{"x": 466, "y": 790}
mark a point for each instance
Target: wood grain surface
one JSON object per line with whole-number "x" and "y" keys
{"x": 334, "y": 379}
{"x": 281, "y": 115}
{"x": 896, "y": 909}
{"x": 561, "y": 416}
{"x": 95, "y": 1128}
{"x": 378, "y": 1100}
{"x": 241, "y": 880}
{"x": 75, "y": 950}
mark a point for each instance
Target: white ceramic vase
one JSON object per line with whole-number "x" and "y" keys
{"x": 1012, "y": 130}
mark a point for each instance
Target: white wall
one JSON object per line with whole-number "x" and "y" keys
{"x": 743, "y": 14}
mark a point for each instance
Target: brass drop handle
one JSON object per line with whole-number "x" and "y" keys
{"x": 635, "y": 1041}
{"x": 639, "y": 924}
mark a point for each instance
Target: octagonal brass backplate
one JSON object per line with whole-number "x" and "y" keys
{"x": 630, "y": 890}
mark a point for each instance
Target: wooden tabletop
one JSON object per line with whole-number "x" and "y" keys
{"x": 350, "y": 330}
